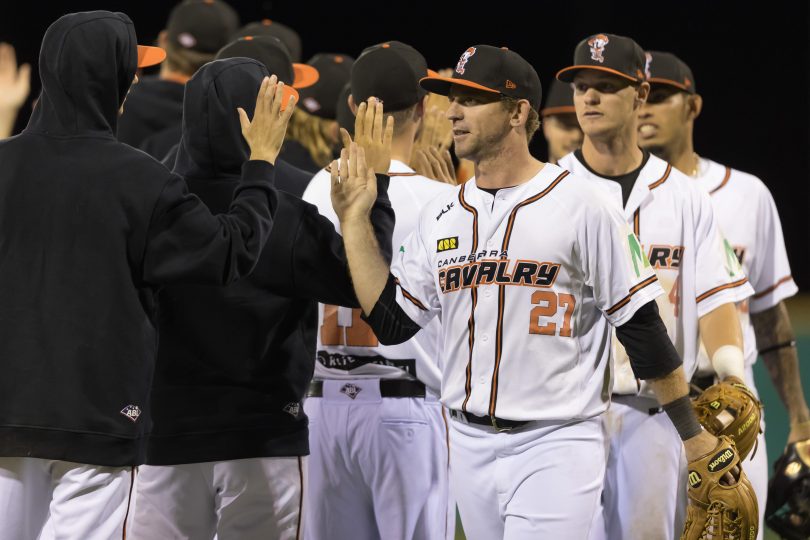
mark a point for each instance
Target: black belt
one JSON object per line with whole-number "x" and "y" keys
{"x": 500, "y": 424}
{"x": 401, "y": 388}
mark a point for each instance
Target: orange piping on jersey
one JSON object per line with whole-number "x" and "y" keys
{"x": 447, "y": 441}
{"x": 414, "y": 300}
{"x": 662, "y": 179}
{"x": 633, "y": 290}
{"x": 724, "y": 182}
{"x": 493, "y": 394}
{"x": 474, "y": 295}
{"x": 772, "y": 287}
{"x": 129, "y": 501}
{"x": 710, "y": 292}
{"x": 637, "y": 222}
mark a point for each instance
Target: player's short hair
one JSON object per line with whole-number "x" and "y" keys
{"x": 402, "y": 117}
{"x": 532, "y": 122}
{"x": 186, "y": 61}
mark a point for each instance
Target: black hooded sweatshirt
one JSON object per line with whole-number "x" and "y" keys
{"x": 153, "y": 115}
{"x": 89, "y": 228}
{"x": 234, "y": 362}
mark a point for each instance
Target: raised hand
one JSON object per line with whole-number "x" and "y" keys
{"x": 434, "y": 163}
{"x": 354, "y": 186}
{"x": 265, "y": 132}
{"x": 371, "y": 136}
{"x": 15, "y": 83}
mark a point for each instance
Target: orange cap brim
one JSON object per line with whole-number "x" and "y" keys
{"x": 441, "y": 85}
{"x": 288, "y": 91}
{"x": 670, "y": 82}
{"x": 562, "y": 109}
{"x": 305, "y": 75}
{"x": 431, "y": 73}
{"x": 150, "y": 56}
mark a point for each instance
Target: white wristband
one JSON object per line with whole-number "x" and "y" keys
{"x": 729, "y": 361}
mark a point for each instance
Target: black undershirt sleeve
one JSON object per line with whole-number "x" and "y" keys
{"x": 645, "y": 339}
{"x": 390, "y": 323}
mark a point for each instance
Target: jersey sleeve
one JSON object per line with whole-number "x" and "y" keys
{"x": 769, "y": 269}
{"x": 615, "y": 266}
{"x": 416, "y": 292}
{"x": 719, "y": 276}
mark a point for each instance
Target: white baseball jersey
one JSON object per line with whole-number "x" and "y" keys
{"x": 757, "y": 240}
{"x": 525, "y": 283}
{"x": 347, "y": 346}
{"x": 678, "y": 231}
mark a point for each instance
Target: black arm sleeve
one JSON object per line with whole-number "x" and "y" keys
{"x": 308, "y": 256}
{"x": 390, "y": 323}
{"x": 645, "y": 339}
{"x": 185, "y": 242}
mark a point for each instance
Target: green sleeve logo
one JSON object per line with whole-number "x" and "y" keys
{"x": 636, "y": 254}
{"x": 732, "y": 262}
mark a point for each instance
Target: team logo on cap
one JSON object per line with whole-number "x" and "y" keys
{"x": 597, "y": 44}
{"x": 647, "y": 63}
{"x": 463, "y": 60}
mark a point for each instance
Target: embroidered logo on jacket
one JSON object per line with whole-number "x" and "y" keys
{"x": 292, "y": 409}
{"x": 133, "y": 412}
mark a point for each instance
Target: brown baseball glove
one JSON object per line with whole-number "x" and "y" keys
{"x": 722, "y": 503}
{"x": 730, "y": 408}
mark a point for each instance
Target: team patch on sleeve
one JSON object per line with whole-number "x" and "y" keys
{"x": 446, "y": 244}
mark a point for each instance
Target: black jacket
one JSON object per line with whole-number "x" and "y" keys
{"x": 234, "y": 362}
{"x": 89, "y": 228}
{"x": 154, "y": 107}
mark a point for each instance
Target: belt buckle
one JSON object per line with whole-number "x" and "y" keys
{"x": 495, "y": 425}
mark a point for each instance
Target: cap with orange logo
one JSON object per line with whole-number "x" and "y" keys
{"x": 610, "y": 53}
{"x": 271, "y": 52}
{"x": 492, "y": 69}
{"x": 667, "y": 69}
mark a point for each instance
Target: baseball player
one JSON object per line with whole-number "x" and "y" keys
{"x": 675, "y": 224}
{"x": 226, "y": 454}
{"x": 666, "y": 124}
{"x": 91, "y": 229}
{"x": 559, "y": 121}
{"x": 370, "y": 399}
{"x": 526, "y": 266}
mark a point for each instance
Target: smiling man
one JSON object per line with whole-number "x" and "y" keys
{"x": 666, "y": 125}
{"x": 674, "y": 222}
{"x": 526, "y": 266}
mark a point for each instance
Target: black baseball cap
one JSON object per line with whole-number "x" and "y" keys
{"x": 344, "y": 115}
{"x": 271, "y": 52}
{"x": 492, "y": 69}
{"x": 666, "y": 68}
{"x": 269, "y": 27}
{"x": 202, "y": 25}
{"x": 389, "y": 71}
{"x": 559, "y": 100}
{"x": 335, "y": 71}
{"x": 614, "y": 54}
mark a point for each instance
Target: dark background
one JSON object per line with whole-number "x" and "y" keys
{"x": 750, "y": 62}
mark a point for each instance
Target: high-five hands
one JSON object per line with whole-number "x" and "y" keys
{"x": 265, "y": 132}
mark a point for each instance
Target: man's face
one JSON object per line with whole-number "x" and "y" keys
{"x": 480, "y": 122}
{"x": 562, "y": 134}
{"x": 605, "y": 103}
{"x": 662, "y": 120}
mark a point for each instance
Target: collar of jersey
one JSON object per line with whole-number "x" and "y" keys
{"x": 397, "y": 166}
{"x": 536, "y": 184}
